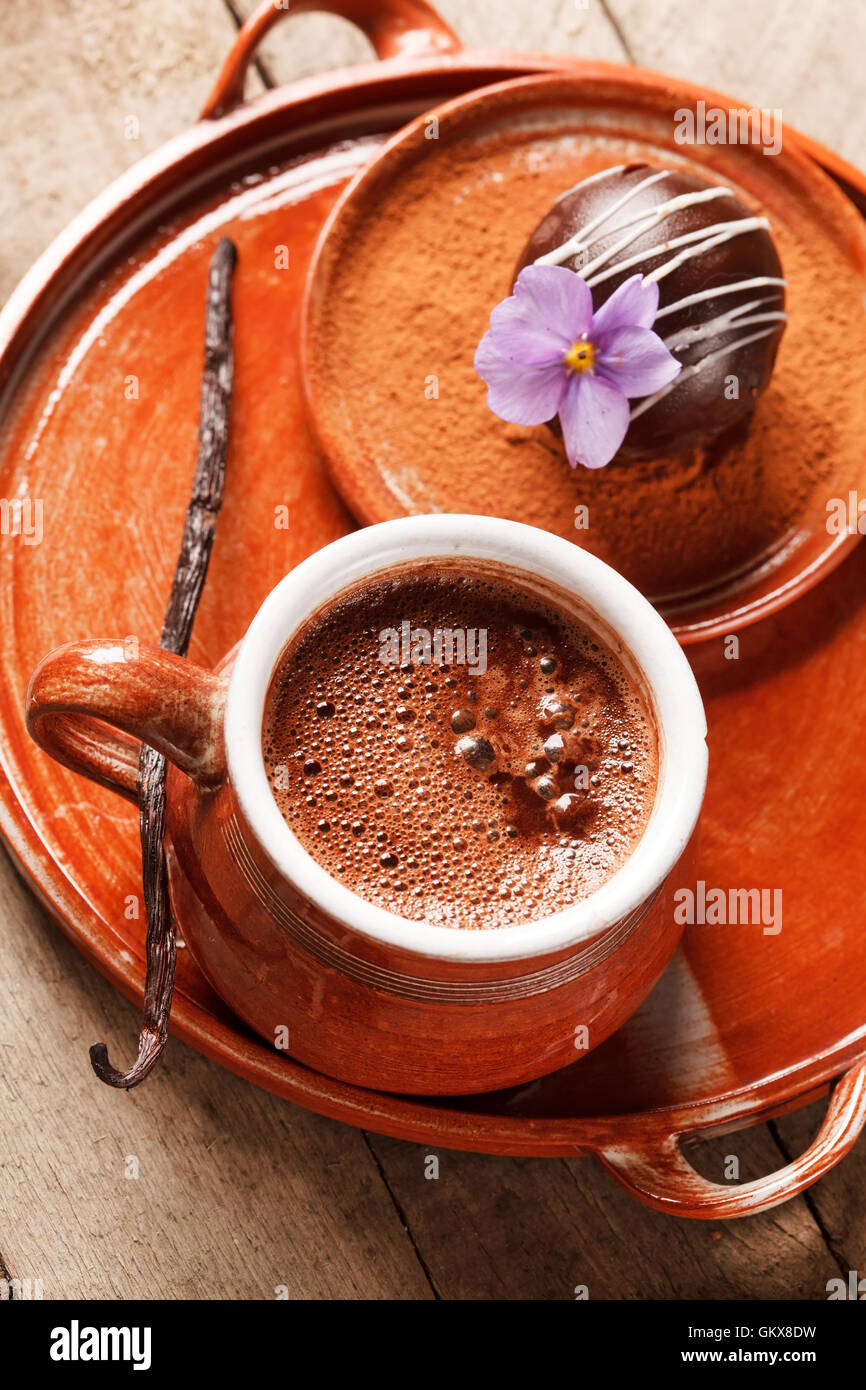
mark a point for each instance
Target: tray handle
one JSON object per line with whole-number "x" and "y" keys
{"x": 661, "y": 1176}
{"x": 396, "y": 28}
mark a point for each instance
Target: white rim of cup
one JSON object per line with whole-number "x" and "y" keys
{"x": 678, "y": 710}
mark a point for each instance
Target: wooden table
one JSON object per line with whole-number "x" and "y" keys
{"x": 197, "y": 1185}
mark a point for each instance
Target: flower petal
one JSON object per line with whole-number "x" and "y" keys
{"x": 636, "y": 360}
{"x": 634, "y": 304}
{"x": 594, "y": 419}
{"x": 520, "y": 335}
{"x": 517, "y": 393}
{"x": 556, "y": 299}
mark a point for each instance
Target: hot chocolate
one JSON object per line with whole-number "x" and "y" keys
{"x": 456, "y": 748}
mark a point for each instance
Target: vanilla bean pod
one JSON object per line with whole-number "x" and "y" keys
{"x": 189, "y": 576}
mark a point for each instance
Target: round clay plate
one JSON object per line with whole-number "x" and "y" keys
{"x": 423, "y": 245}
{"x": 746, "y": 1022}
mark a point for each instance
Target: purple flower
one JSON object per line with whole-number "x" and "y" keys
{"x": 546, "y": 353}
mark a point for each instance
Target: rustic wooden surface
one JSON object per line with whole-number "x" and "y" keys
{"x": 198, "y": 1185}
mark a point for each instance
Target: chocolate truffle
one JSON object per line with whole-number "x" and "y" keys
{"x": 721, "y": 291}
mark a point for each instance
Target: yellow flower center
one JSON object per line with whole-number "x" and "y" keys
{"x": 580, "y": 356}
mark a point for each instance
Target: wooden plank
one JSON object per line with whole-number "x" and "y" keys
{"x": 805, "y": 60}
{"x": 543, "y": 1229}
{"x": 194, "y": 1185}
{"x": 88, "y": 89}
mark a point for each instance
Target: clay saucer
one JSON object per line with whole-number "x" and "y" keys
{"x": 423, "y": 244}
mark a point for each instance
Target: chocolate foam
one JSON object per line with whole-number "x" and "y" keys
{"x": 471, "y": 800}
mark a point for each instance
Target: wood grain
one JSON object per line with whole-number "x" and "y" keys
{"x": 544, "y": 1229}
{"x": 89, "y": 88}
{"x": 239, "y": 1195}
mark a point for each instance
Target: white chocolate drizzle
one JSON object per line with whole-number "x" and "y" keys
{"x": 644, "y": 222}
{"x": 758, "y": 282}
{"x": 578, "y": 242}
{"x": 697, "y": 243}
{"x": 724, "y": 323}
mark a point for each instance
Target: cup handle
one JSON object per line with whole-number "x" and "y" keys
{"x": 659, "y": 1174}
{"x": 145, "y": 694}
{"x": 396, "y": 28}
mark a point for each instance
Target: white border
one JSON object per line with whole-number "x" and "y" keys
{"x": 644, "y": 634}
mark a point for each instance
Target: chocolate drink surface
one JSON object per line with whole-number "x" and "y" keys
{"x": 456, "y": 748}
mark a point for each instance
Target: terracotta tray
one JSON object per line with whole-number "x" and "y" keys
{"x": 98, "y": 423}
